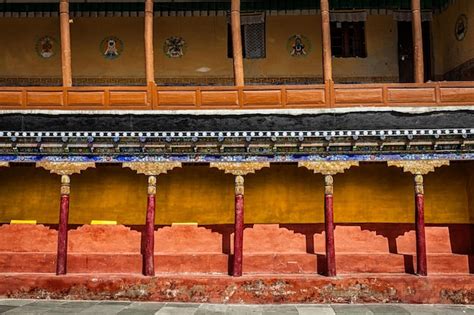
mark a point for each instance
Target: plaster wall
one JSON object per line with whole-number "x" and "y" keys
{"x": 448, "y": 51}
{"x": 206, "y": 49}
{"x": 372, "y": 193}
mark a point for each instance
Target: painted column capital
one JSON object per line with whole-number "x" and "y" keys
{"x": 239, "y": 168}
{"x": 65, "y": 168}
{"x": 152, "y": 168}
{"x": 328, "y": 167}
{"x": 420, "y": 167}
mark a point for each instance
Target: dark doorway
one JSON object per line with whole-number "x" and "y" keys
{"x": 405, "y": 51}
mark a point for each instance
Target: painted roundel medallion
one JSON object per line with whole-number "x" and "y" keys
{"x": 174, "y": 47}
{"x": 46, "y": 47}
{"x": 298, "y": 46}
{"x": 111, "y": 47}
{"x": 460, "y": 29}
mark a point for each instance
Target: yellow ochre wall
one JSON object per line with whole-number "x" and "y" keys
{"x": 282, "y": 194}
{"x": 206, "y": 48}
{"x": 449, "y": 52}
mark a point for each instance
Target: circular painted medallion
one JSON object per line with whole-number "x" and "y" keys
{"x": 298, "y": 46}
{"x": 174, "y": 47}
{"x": 46, "y": 47}
{"x": 111, "y": 47}
{"x": 460, "y": 29}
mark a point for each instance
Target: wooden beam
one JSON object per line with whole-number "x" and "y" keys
{"x": 237, "y": 43}
{"x": 326, "y": 36}
{"x": 417, "y": 41}
{"x": 149, "y": 60}
{"x": 65, "y": 43}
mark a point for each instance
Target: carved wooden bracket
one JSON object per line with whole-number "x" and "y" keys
{"x": 65, "y": 168}
{"x": 152, "y": 168}
{"x": 328, "y": 167}
{"x": 240, "y": 168}
{"x": 420, "y": 167}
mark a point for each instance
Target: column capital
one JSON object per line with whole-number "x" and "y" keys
{"x": 65, "y": 168}
{"x": 239, "y": 168}
{"x": 152, "y": 168}
{"x": 420, "y": 167}
{"x": 328, "y": 167}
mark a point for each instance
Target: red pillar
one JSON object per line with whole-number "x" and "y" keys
{"x": 61, "y": 258}
{"x": 421, "y": 263}
{"x": 149, "y": 250}
{"x": 239, "y": 226}
{"x": 329, "y": 225}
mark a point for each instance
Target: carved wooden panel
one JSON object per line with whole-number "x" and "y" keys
{"x": 128, "y": 98}
{"x": 86, "y": 98}
{"x": 305, "y": 97}
{"x": 262, "y": 98}
{"x": 177, "y": 98}
{"x": 359, "y": 96}
{"x": 12, "y": 98}
{"x": 45, "y": 98}
{"x": 407, "y": 95}
{"x": 463, "y": 95}
{"x": 219, "y": 98}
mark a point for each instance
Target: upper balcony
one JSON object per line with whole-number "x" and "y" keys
{"x": 192, "y": 55}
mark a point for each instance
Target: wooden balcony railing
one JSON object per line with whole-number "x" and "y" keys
{"x": 248, "y": 97}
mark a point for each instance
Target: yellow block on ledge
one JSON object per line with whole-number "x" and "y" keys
{"x": 184, "y": 223}
{"x": 23, "y": 222}
{"x": 102, "y": 222}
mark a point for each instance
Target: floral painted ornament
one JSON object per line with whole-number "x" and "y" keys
{"x": 111, "y": 47}
{"x": 46, "y": 47}
{"x": 174, "y": 47}
{"x": 298, "y": 46}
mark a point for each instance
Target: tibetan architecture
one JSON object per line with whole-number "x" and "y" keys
{"x": 237, "y": 151}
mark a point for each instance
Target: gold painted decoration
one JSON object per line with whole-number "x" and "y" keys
{"x": 4, "y": 164}
{"x": 65, "y": 185}
{"x": 239, "y": 185}
{"x": 239, "y": 168}
{"x": 420, "y": 167}
{"x": 152, "y": 168}
{"x": 419, "y": 189}
{"x": 328, "y": 185}
{"x": 152, "y": 185}
{"x": 328, "y": 167}
{"x": 65, "y": 168}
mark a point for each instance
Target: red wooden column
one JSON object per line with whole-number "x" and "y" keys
{"x": 152, "y": 170}
{"x": 329, "y": 226}
{"x": 61, "y": 258}
{"x": 326, "y": 38}
{"x": 328, "y": 169}
{"x": 239, "y": 226}
{"x": 419, "y": 168}
{"x": 65, "y": 43}
{"x": 149, "y": 250}
{"x": 65, "y": 169}
{"x": 239, "y": 169}
{"x": 148, "y": 37}
{"x": 421, "y": 265}
{"x": 417, "y": 41}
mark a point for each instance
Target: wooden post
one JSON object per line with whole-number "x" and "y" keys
{"x": 326, "y": 36}
{"x": 417, "y": 41}
{"x": 329, "y": 226}
{"x": 65, "y": 43}
{"x": 149, "y": 250}
{"x": 149, "y": 60}
{"x": 61, "y": 258}
{"x": 239, "y": 226}
{"x": 237, "y": 43}
{"x": 421, "y": 262}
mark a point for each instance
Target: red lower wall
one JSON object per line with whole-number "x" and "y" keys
{"x": 272, "y": 248}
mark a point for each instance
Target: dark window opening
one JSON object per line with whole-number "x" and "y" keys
{"x": 348, "y": 39}
{"x": 253, "y": 41}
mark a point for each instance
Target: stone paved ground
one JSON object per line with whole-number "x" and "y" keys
{"x": 110, "y": 307}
